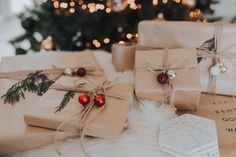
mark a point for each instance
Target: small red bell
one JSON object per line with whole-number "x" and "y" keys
{"x": 99, "y": 100}
{"x": 84, "y": 99}
{"x": 162, "y": 78}
{"x": 81, "y": 72}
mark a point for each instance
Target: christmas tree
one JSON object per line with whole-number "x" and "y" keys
{"x": 96, "y": 24}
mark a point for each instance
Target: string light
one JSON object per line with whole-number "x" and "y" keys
{"x": 63, "y": 5}
{"x": 97, "y": 45}
{"x": 84, "y": 6}
{"x": 95, "y": 41}
{"x": 121, "y": 42}
{"x": 56, "y": 4}
{"x": 189, "y": 3}
{"x": 108, "y": 10}
{"x": 94, "y": 7}
{"x": 164, "y": 1}
{"x": 133, "y": 6}
{"x": 129, "y": 35}
{"x": 106, "y": 40}
{"x": 72, "y": 4}
{"x": 195, "y": 13}
{"x": 72, "y": 10}
{"x": 154, "y": 2}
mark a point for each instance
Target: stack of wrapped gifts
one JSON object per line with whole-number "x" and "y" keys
{"x": 48, "y": 97}
{"x": 79, "y": 87}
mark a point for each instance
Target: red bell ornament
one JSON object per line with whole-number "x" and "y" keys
{"x": 81, "y": 72}
{"x": 84, "y": 99}
{"x": 162, "y": 78}
{"x": 99, "y": 100}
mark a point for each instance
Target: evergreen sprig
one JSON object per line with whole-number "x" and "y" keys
{"x": 36, "y": 82}
{"x": 209, "y": 44}
{"x": 69, "y": 95}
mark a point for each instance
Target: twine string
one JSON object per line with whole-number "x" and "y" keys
{"x": 83, "y": 121}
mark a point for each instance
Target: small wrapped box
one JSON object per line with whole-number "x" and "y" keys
{"x": 181, "y": 72}
{"x": 123, "y": 56}
{"x": 106, "y": 122}
{"x": 215, "y": 43}
{"x": 14, "y": 134}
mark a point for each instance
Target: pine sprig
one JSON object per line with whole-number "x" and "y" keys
{"x": 209, "y": 44}
{"x": 69, "y": 95}
{"x": 36, "y": 82}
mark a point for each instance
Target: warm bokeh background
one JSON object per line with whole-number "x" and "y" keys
{"x": 11, "y": 26}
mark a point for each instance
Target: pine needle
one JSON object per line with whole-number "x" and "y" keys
{"x": 36, "y": 82}
{"x": 69, "y": 95}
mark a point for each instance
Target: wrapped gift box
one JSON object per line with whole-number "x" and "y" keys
{"x": 14, "y": 134}
{"x": 174, "y": 34}
{"x": 107, "y": 123}
{"x": 186, "y": 86}
{"x": 162, "y": 34}
{"x": 123, "y": 56}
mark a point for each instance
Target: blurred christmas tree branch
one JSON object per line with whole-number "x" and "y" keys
{"x": 96, "y": 24}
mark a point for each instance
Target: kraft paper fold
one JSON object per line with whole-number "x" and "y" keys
{"x": 222, "y": 109}
{"x": 15, "y": 135}
{"x": 186, "y": 85}
{"x": 173, "y": 34}
{"x": 108, "y": 124}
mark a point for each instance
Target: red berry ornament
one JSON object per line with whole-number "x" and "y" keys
{"x": 84, "y": 99}
{"x": 81, "y": 72}
{"x": 99, "y": 100}
{"x": 162, "y": 78}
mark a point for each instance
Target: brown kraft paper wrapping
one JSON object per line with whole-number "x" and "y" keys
{"x": 186, "y": 85}
{"x": 123, "y": 56}
{"x": 15, "y": 135}
{"x": 173, "y": 34}
{"x": 108, "y": 123}
{"x": 222, "y": 109}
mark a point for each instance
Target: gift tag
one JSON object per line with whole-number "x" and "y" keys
{"x": 189, "y": 136}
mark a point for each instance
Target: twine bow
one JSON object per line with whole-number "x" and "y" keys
{"x": 216, "y": 54}
{"x": 83, "y": 115}
{"x": 167, "y": 87}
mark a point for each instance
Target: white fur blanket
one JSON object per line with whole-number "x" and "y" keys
{"x": 139, "y": 140}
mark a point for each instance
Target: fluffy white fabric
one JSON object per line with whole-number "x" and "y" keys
{"x": 138, "y": 140}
